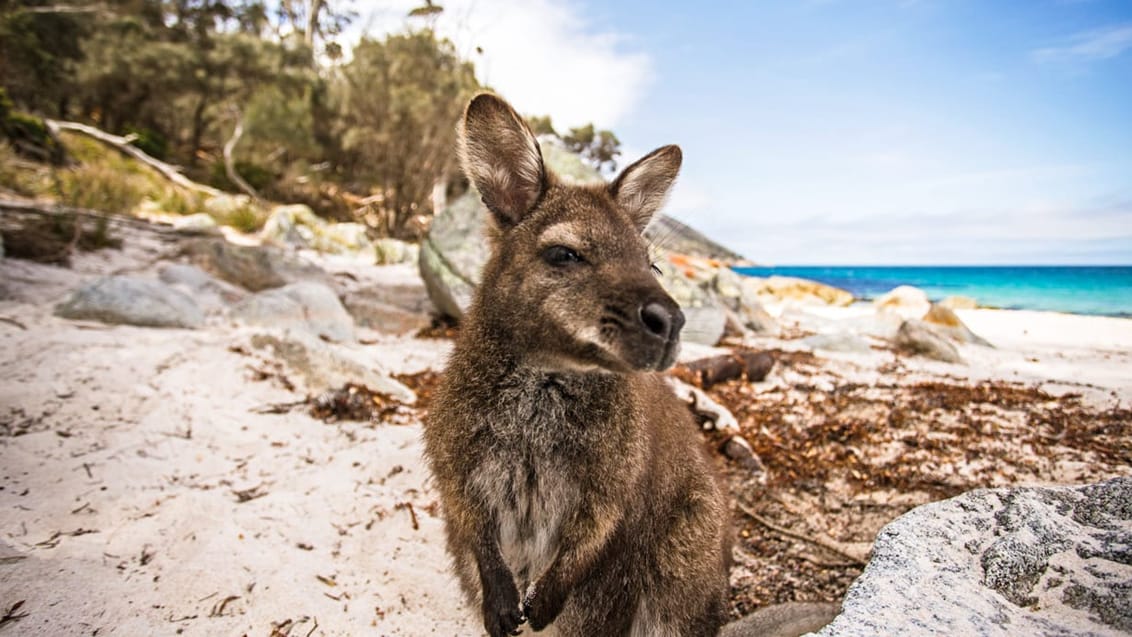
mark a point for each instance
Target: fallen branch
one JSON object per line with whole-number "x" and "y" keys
{"x": 123, "y": 144}
{"x": 827, "y": 544}
{"x": 44, "y": 209}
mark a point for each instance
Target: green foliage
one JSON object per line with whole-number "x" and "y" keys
{"x": 257, "y": 176}
{"x": 149, "y": 141}
{"x": 541, "y": 125}
{"x": 600, "y": 148}
{"x": 38, "y": 53}
{"x": 28, "y": 134}
{"x": 397, "y": 103}
{"x": 180, "y": 202}
{"x": 98, "y": 187}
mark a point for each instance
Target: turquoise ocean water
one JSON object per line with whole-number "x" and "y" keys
{"x": 1103, "y": 290}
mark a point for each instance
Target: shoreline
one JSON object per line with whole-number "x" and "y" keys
{"x": 148, "y": 487}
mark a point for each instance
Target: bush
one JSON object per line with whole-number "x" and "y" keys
{"x": 100, "y": 188}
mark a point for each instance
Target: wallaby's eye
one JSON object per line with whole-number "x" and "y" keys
{"x": 561, "y": 255}
{"x": 655, "y": 269}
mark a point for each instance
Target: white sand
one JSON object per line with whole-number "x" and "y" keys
{"x": 143, "y": 437}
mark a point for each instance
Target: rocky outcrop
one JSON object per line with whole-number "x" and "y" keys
{"x": 297, "y": 226}
{"x": 132, "y": 300}
{"x": 803, "y": 291}
{"x": 306, "y": 307}
{"x": 1017, "y": 561}
{"x": 254, "y": 268}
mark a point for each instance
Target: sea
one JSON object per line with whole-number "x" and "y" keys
{"x": 1100, "y": 290}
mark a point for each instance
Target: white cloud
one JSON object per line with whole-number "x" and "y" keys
{"x": 543, "y": 56}
{"x": 1098, "y": 44}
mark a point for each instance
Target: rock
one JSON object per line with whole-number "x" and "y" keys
{"x": 733, "y": 291}
{"x": 132, "y": 300}
{"x": 199, "y": 223}
{"x": 838, "y": 342}
{"x": 385, "y": 317}
{"x": 882, "y": 325}
{"x": 917, "y": 337}
{"x": 948, "y": 322}
{"x": 297, "y": 226}
{"x": 392, "y": 251}
{"x": 959, "y": 303}
{"x": 251, "y": 267}
{"x": 905, "y": 300}
{"x": 211, "y": 294}
{"x": 306, "y": 306}
{"x": 453, "y": 253}
{"x": 325, "y": 366}
{"x": 1017, "y": 561}
{"x": 785, "y": 288}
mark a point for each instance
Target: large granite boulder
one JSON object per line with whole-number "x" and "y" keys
{"x": 132, "y": 300}
{"x": 305, "y": 306}
{"x": 212, "y": 294}
{"x": 1017, "y": 561}
{"x": 453, "y": 253}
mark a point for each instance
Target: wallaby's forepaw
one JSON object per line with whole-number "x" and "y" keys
{"x": 541, "y": 606}
{"x": 501, "y": 613}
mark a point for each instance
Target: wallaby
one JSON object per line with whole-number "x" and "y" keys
{"x": 568, "y": 472}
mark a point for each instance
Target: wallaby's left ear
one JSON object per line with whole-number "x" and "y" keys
{"x": 640, "y": 189}
{"x": 502, "y": 158}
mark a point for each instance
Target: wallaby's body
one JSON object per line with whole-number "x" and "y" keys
{"x": 575, "y": 489}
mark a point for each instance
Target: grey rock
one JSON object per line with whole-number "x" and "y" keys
{"x": 1018, "y": 561}
{"x": 251, "y": 267}
{"x": 920, "y": 338}
{"x": 385, "y": 317}
{"x": 946, "y": 321}
{"x": 838, "y": 342}
{"x": 132, "y": 300}
{"x": 212, "y": 294}
{"x": 322, "y": 366}
{"x": 306, "y": 307}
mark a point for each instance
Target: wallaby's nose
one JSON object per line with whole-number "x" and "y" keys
{"x": 662, "y": 320}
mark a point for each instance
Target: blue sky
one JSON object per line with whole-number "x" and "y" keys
{"x": 848, "y": 132}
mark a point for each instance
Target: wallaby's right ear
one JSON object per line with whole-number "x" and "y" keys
{"x": 502, "y": 158}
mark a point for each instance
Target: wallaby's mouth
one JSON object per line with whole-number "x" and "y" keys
{"x": 655, "y": 342}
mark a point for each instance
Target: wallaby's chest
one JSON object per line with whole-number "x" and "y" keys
{"x": 532, "y": 500}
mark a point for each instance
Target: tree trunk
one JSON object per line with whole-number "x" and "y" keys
{"x": 230, "y": 161}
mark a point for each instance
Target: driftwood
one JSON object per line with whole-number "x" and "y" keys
{"x": 43, "y": 209}
{"x": 714, "y": 415}
{"x": 716, "y": 369}
{"x": 123, "y": 144}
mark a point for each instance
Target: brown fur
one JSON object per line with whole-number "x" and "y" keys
{"x": 574, "y": 485}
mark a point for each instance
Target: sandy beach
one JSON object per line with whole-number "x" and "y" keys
{"x": 163, "y": 481}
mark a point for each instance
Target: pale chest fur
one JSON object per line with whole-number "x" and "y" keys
{"x": 531, "y": 501}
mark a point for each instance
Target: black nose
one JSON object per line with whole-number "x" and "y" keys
{"x": 661, "y": 319}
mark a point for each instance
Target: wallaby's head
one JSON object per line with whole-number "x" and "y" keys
{"x": 569, "y": 278}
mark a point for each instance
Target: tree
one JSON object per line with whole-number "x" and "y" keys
{"x": 600, "y": 148}
{"x": 397, "y": 104}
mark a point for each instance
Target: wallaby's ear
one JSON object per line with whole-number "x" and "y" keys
{"x": 502, "y": 158}
{"x": 640, "y": 189}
